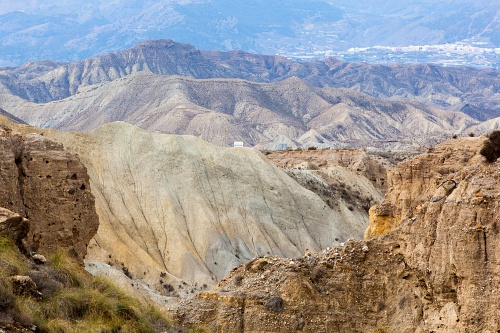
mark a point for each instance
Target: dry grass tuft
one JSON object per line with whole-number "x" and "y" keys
{"x": 72, "y": 300}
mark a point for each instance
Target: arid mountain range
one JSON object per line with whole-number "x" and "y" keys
{"x": 225, "y": 110}
{"x": 174, "y": 88}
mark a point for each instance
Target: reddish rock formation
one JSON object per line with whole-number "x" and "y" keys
{"x": 436, "y": 271}
{"x": 42, "y": 182}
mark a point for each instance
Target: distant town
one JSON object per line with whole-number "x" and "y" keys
{"x": 473, "y": 54}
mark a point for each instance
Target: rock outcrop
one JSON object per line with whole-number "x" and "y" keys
{"x": 436, "y": 271}
{"x": 13, "y": 225}
{"x": 50, "y": 187}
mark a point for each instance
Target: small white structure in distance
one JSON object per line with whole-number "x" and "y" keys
{"x": 282, "y": 146}
{"x": 238, "y": 144}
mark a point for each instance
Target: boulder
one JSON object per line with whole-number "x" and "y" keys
{"x": 13, "y": 225}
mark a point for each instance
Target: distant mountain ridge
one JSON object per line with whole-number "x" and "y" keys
{"x": 221, "y": 111}
{"x": 74, "y": 30}
{"x": 471, "y": 91}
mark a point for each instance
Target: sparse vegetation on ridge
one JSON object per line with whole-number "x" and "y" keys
{"x": 67, "y": 299}
{"x": 491, "y": 147}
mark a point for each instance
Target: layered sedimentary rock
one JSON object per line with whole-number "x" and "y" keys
{"x": 434, "y": 270}
{"x": 430, "y": 177}
{"x": 49, "y": 186}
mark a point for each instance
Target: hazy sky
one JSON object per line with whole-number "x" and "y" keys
{"x": 67, "y": 6}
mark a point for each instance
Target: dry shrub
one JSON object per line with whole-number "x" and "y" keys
{"x": 11, "y": 262}
{"x": 238, "y": 280}
{"x": 67, "y": 270}
{"x": 48, "y": 284}
{"x": 26, "y": 309}
{"x": 98, "y": 306}
{"x": 491, "y": 147}
{"x": 275, "y": 304}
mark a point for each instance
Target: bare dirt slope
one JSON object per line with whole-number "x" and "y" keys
{"x": 177, "y": 209}
{"x": 341, "y": 177}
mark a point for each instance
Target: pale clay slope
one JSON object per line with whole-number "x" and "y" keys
{"x": 179, "y": 205}
{"x": 486, "y": 126}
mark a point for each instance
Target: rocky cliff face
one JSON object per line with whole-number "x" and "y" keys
{"x": 436, "y": 271}
{"x": 50, "y": 188}
{"x": 432, "y": 176}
